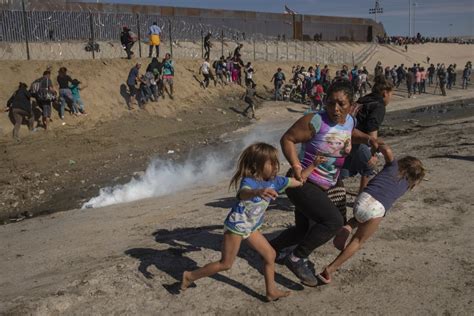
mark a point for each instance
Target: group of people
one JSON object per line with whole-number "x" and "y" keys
{"x": 418, "y": 77}
{"x": 154, "y": 83}
{"x": 419, "y": 39}
{"x": 314, "y": 185}
{"x": 225, "y": 70}
{"x": 43, "y": 91}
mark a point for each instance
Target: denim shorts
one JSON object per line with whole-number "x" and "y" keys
{"x": 46, "y": 107}
{"x": 357, "y": 162}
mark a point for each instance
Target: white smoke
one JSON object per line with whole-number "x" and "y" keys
{"x": 163, "y": 177}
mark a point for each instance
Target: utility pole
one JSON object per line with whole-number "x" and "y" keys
{"x": 376, "y": 9}
{"x": 25, "y": 29}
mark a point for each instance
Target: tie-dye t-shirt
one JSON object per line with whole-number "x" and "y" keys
{"x": 332, "y": 141}
{"x": 247, "y": 215}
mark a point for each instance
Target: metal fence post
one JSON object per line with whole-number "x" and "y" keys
{"x": 254, "y": 53}
{"x": 303, "y": 51}
{"x": 91, "y": 23}
{"x": 266, "y": 50}
{"x": 139, "y": 36}
{"x": 25, "y": 30}
{"x": 277, "y": 58}
{"x": 287, "y": 50}
{"x": 222, "y": 42}
{"x": 202, "y": 43}
{"x": 296, "y": 50}
{"x": 171, "y": 38}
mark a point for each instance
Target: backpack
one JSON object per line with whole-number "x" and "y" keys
{"x": 214, "y": 64}
{"x": 35, "y": 87}
{"x": 132, "y": 36}
{"x": 43, "y": 93}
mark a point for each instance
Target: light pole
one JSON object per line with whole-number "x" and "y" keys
{"x": 377, "y": 9}
{"x": 415, "y": 4}
{"x": 409, "y": 18}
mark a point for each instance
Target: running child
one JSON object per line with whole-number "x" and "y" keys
{"x": 249, "y": 98}
{"x": 259, "y": 184}
{"x": 76, "y": 96}
{"x": 396, "y": 178}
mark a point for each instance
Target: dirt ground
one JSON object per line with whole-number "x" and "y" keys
{"x": 128, "y": 258}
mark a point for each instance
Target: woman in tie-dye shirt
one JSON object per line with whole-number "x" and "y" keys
{"x": 327, "y": 133}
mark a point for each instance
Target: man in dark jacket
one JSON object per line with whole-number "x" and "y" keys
{"x": 19, "y": 106}
{"x": 127, "y": 39}
{"x": 370, "y": 116}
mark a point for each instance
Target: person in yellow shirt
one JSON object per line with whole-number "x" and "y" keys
{"x": 154, "y": 33}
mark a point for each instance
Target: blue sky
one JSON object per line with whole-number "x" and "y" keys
{"x": 433, "y": 17}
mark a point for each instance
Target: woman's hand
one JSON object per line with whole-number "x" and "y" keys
{"x": 297, "y": 169}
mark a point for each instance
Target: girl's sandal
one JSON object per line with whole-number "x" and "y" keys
{"x": 322, "y": 279}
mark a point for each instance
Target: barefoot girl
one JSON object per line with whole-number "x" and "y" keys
{"x": 259, "y": 184}
{"x": 396, "y": 178}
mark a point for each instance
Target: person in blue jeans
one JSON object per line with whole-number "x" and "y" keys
{"x": 65, "y": 94}
{"x": 278, "y": 80}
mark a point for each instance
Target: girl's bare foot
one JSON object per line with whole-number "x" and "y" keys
{"x": 276, "y": 294}
{"x": 186, "y": 282}
{"x": 341, "y": 237}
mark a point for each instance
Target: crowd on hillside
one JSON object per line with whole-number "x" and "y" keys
{"x": 419, "y": 39}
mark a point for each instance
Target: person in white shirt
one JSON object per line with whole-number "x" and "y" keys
{"x": 205, "y": 70}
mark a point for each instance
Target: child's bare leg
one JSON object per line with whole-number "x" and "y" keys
{"x": 363, "y": 232}
{"x": 230, "y": 248}
{"x": 258, "y": 242}
{"x": 341, "y": 237}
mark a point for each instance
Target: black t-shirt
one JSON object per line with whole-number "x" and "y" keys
{"x": 371, "y": 113}
{"x": 207, "y": 40}
{"x": 63, "y": 81}
{"x": 237, "y": 51}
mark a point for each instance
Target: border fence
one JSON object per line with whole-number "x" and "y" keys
{"x": 58, "y": 29}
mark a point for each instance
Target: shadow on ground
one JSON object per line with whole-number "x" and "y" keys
{"x": 181, "y": 241}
